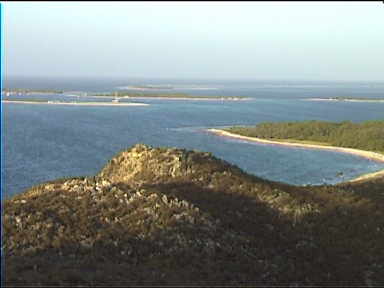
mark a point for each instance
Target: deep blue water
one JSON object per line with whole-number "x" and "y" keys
{"x": 45, "y": 142}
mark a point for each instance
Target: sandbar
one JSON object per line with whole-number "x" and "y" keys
{"x": 226, "y": 98}
{"x": 366, "y": 154}
{"x": 76, "y": 103}
{"x": 346, "y": 100}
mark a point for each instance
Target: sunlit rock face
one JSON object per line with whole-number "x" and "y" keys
{"x": 144, "y": 164}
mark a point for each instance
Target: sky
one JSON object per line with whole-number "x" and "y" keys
{"x": 213, "y": 40}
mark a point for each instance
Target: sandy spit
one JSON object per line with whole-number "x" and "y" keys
{"x": 366, "y": 154}
{"x": 77, "y": 103}
{"x": 346, "y": 100}
{"x": 180, "y": 98}
{"x": 368, "y": 176}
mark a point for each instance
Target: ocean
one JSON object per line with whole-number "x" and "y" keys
{"x": 46, "y": 142}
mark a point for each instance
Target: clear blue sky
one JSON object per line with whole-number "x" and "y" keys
{"x": 260, "y": 40}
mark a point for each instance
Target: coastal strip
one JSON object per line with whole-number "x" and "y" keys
{"x": 178, "y": 98}
{"x": 368, "y": 176}
{"x": 165, "y": 87}
{"x": 75, "y": 103}
{"x": 194, "y": 98}
{"x": 366, "y": 154}
{"x": 346, "y": 100}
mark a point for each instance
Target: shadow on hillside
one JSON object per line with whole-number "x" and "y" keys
{"x": 372, "y": 189}
{"x": 104, "y": 264}
{"x": 332, "y": 247}
{"x": 231, "y": 209}
{"x": 327, "y": 249}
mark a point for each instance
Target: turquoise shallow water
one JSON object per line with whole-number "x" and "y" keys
{"x": 45, "y": 142}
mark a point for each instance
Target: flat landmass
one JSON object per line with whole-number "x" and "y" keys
{"x": 363, "y": 139}
{"x": 166, "y": 216}
{"x": 16, "y": 91}
{"x": 170, "y": 96}
{"x": 347, "y": 99}
{"x": 126, "y": 94}
{"x": 166, "y": 87}
{"x": 150, "y": 87}
{"x": 37, "y": 101}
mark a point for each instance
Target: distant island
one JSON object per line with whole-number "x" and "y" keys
{"x": 7, "y": 93}
{"x": 365, "y": 139}
{"x": 54, "y": 102}
{"x": 166, "y": 87}
{"x": 349, "y": 99}
{"x": 178, "y": 96}
{"x": 22, "y": 91}
{"x": 149, "y": 87}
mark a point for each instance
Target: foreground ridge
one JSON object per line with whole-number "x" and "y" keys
{"x": 166, "y": 216}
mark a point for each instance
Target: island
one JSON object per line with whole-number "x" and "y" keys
{"x": 150, "y": 87}
{"x": 169, "y": 96}
{"x": 348, "y": 99}
{"x": 76, "y": 103}
{"x": 8, "y": 93}
{"x": 23, "y": 91}
{"x": 166, "y": 87}
{"x": 169, "y": 216}
{"x": 364, "y": 139}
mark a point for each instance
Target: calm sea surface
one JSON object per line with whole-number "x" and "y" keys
{"x": 45, "y": 142}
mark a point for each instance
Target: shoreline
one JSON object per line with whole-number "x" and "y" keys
{"x": 345, "y": 100}
{"x": 367, "y": 176}
{"x": 177, "y": 98}
{"x": 165, "y": 87}
{"x": 77, "y": 103}
{"x": 362, "y": 153}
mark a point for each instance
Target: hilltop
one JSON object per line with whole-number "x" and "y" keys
{"x": 166, "y": 216}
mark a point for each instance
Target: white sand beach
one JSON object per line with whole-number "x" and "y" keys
{"x": 346, "y": 100}
{"x": 226, "y": 98}
{"x": 76, "y": 103}
{"x": 368, "y": 176}
{"x": 366, "y": 154}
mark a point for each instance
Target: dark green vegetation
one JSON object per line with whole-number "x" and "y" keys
{"x": 162, "y": 95}
{"x": 175, "y": 217}
{"x": 368, "y": 135}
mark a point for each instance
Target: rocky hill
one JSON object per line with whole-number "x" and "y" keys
{"x": 161, "y": 216}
